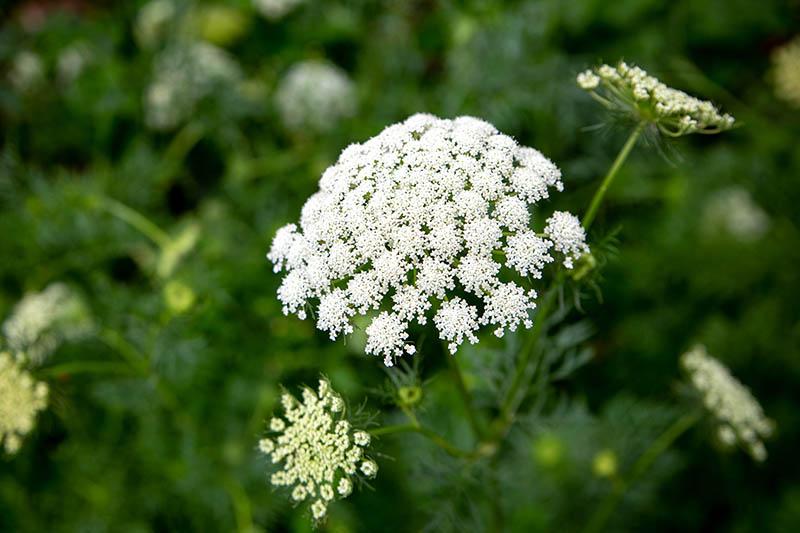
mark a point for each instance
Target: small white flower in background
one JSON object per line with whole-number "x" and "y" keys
{"x": 629, "y": 89}
{"x": 401, "y": 222}
{"x": 21, "y": 399}
{"x": 317, "y": 449}
{"x": 183, "y": 75}
{"x": 786, "y": 72}
{"x": 276, "y": 9}
{"x": 27, "y": 71}
{"x": 732, "y": 210}
{"x": 72, "y": 61}
{"x": 740, "y": 417}
{"x": 42, "y": 320}
{"x": 153, "y": 21}
{"x": 315, "y": 95}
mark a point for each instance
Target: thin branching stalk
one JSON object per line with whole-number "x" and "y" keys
{"x": 242, "y": 507}
{"x": 645, "y": 461}
{"x": 597, "y": 199}
{"x": 511, "y": 399}
{"x": 429, "y": 434}
{"x": 135, "y": 219}
{"x": 466, "y": 397}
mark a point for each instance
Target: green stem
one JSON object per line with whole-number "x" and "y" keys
{"x": 510, "y": 402}
{"x": 178, "y": 147}
{"x": 612, "y": 172}
{"x": 645, "y": 461}
{"x": 242, "y": 508}
{"x": 134, "y": 219}
{"x": 85, "y": 367}
{"x": 118, "y": 343}
{"x": 466, "y": 397}
{"x": 142, "y": 364}
{"x": 430, "y": 435}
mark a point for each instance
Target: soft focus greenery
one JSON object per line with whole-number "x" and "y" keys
{"x": 184, "y": 303}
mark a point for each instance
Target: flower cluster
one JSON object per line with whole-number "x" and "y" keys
{"x": 402, "y": 222}
{"x": 739, "y": 414}
{"x": 786, "y": 72}
{"x": 41, "y": 321}
{"x": 317, "y": 447}
{"x": 21, "y": 398}
{"x": 315, "y": 95}
{"x": 630, "y": 90}
{"x": 184, "y": 75}
{"x": 733, "y": 211}
{"x": 276, "y": 9}
{"x": 153, "y": 21}
{"x": 27, "y": 71}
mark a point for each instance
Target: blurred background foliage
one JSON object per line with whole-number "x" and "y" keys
{"x": 161, "y": 226}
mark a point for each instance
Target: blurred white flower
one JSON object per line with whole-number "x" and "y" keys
{"x": 152, "y": 22}
{"x": 183, "y": 75}
{"x": 276, "y": 9}
{"x": 629, "y": 89}
{"x": 71, "y": 62}
{"x": 733, "y": 211}
{"x": 41, "y": 321}
{"x": 315, "y": 95}
{"x": 403, "y": 221}
{"x": 738, "y": 413}
{"x": 786, "y": 72}
{"x": 21, "y": 399}
{"x": 317, "y": 448}
{"x": 26, "y": 71}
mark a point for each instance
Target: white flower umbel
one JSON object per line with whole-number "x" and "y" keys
{"x": 27, "y": 71}
{"x": 21, "y": 399}
{"x": 153, "y": 21}
{"x": 741, "y": 419}
{"x": 41, "y": 321}
{"x": 183, "y": 75}
{"x": 430, "y": 218}
{"x": 317, "y": 449}
{"x": 733, "y": 211}
{"x": 786, "y": 72}
{"x": 315, "y": 96}
{"x": 276, "y": 9}
{"x": 568, "y": 236}
{"x": 630, "y": 90}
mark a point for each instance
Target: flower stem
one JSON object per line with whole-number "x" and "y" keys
{"x": 466, "y": 397}
{"x": 134, "y": 219}
{"x": 645, "y": 461}
{"x": 85, "y": 367}
{"x": 612, "y": 173}
{"x": 430, "y": 435}
{"x": 510, "y": 402}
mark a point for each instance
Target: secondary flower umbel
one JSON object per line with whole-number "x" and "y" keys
{"x": 429, "y": 218}
{"x": 318, "y": 449}
{"x": 21, "y": 399}
{"x": 741, "y": 419}
{"x": 630, "y": 90}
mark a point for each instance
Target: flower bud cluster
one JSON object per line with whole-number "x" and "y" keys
{"x": 318, "y": 451}
{"x": 741, "y": 419}
{"x": 21, "y": 399}
{"x": 786, "y": 72}
{"x": 631, "y": 90}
